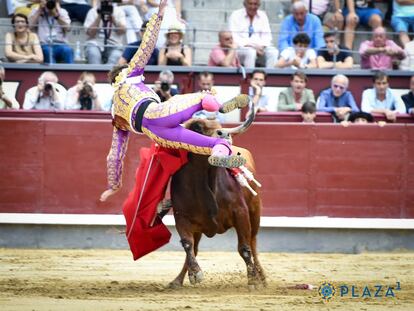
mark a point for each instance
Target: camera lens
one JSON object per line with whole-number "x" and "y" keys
{"x": 165, "y": 86}
{"x": 51, "y": 4}
{"x": 48, "y": 87}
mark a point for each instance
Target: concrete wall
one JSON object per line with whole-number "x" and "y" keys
{"x": 269, "y": 239}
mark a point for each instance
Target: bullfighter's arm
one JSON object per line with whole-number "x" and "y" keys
{"x": 149, "y": 39}
{"x": 115, "y": 161}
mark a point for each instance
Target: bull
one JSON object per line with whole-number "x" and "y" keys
{"x": 209, "y": 200}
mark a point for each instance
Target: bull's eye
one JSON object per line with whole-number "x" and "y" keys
{"x": 219, "y": 133}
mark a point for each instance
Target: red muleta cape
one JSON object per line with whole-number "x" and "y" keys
{"x": 157, "y": 165}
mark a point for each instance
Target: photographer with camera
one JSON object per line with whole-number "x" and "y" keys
{"x": 53, "y": 23}
{"x": 46, "y": 95}
{"x": 163, "y": 85}
{"x": 83, "y": 95}
{"x": 6, "y": 101}
{"x": 105, "y": 27}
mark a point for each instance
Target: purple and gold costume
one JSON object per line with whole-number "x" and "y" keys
{"x": 160, "y": 121}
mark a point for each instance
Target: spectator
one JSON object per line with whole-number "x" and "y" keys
{"x": 360, "y": 117}
{"x": 172, "y": 16}
{"x": 337, "y": 100}
{"x": 298, "y": 56}
{"x": 6, "y": 101}
{"x": 380, "y": 53}
{"x": 402, "y": 18}
{"x": 329, "y": 12}
{"x": 22, "y": 45}
{"x": 133, "y": 47}
{"x": 224, "y": 54}
{"x": 52, "y": 24}
{"x": 105, "y": 32}
{"x": 308, "y": 112}
{"x": 77, "y": 9}
{"x": 205, "y": 84}
{"x": 360, "y": 12}
{"x": 251, "y": 32}
{"x": 380, "y": 99}
{"x": 334, "y": 55}
{"x": 133, "y": 20}
{"x": 408, "y": 62}
{"x": 175, "y": 53}
{"x": 257, "y": 84}
{"x": 24, "y": 7}
{"x": 163, "y": 86}
{"x": 83, "y": 96}
{"x": 205, "y": 81}
{"x": 408, "y": 98}
{"x": 300, "y": 21}
{"x": 45, "y": 95}
{"x": 293, "y": 97}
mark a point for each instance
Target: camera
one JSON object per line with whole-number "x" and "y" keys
{"x": 51, "y": 4}
{"x": 85, "y": 96}
{"x": 165, "y": 86}
{"x": 48, "y": 87}
{"x": 106, "y": 8}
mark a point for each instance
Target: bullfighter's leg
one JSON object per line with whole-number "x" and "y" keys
{"x": 162, "y": 122}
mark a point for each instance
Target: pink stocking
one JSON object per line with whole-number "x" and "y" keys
{"x": 210, "y": 103}
{"x": 221, "y": 150}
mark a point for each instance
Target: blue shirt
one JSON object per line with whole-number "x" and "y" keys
{"x": 263, "y": 99}
{"x": 371, "y": 102}
{"x": 312, "y": 27}
{"x": 133, "y": 47}
{"x": 328, "y": 102}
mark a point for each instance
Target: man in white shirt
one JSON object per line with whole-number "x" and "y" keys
{"x": 251, "y": 32}
{"x": 105, "y": 27}
{"x": 6, "y": 101}
{"x": 380, "y": 99}
{"x": 45, "y": 95}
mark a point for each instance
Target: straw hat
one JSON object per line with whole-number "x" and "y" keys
{"x": 175, "y": 28}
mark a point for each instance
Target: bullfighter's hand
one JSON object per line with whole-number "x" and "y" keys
{"x": 106, "y": 194}
{"x": 161, "y": 8}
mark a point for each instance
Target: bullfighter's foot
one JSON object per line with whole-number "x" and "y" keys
{"x": 240, "y": 101}
{"x": 229, "y": 161}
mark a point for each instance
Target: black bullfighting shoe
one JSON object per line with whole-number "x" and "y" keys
{"x": 229, "y": 161}
{"x": 164, "y": 207}
{"x": 240, "y": 101}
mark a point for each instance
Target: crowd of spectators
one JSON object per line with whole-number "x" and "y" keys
{"x": 309, "y": 38}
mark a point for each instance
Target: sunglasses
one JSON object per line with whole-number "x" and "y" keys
{"x": 337, "y": 86}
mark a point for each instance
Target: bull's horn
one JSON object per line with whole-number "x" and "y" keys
{"x": 246, "y": 124}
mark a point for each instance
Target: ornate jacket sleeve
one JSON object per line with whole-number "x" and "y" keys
{"x": 143, "y": 54}
{"x": 115, "y": 159}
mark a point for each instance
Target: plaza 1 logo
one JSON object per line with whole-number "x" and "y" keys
{"x": 328, "y": 290}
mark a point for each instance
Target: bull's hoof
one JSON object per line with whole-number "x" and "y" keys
{"x": 175, "y": 284}
{"x": 227, "y": 161}
{"x": 195, "y": 277}
{"x": 240, "y": 101}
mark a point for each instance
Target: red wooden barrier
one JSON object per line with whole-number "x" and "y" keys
{"x": 58, "y": 166}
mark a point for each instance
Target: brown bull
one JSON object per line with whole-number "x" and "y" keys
{"x": 207, "y": 199}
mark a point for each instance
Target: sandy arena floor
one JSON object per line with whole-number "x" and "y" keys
{"x": 111, "y": 280}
